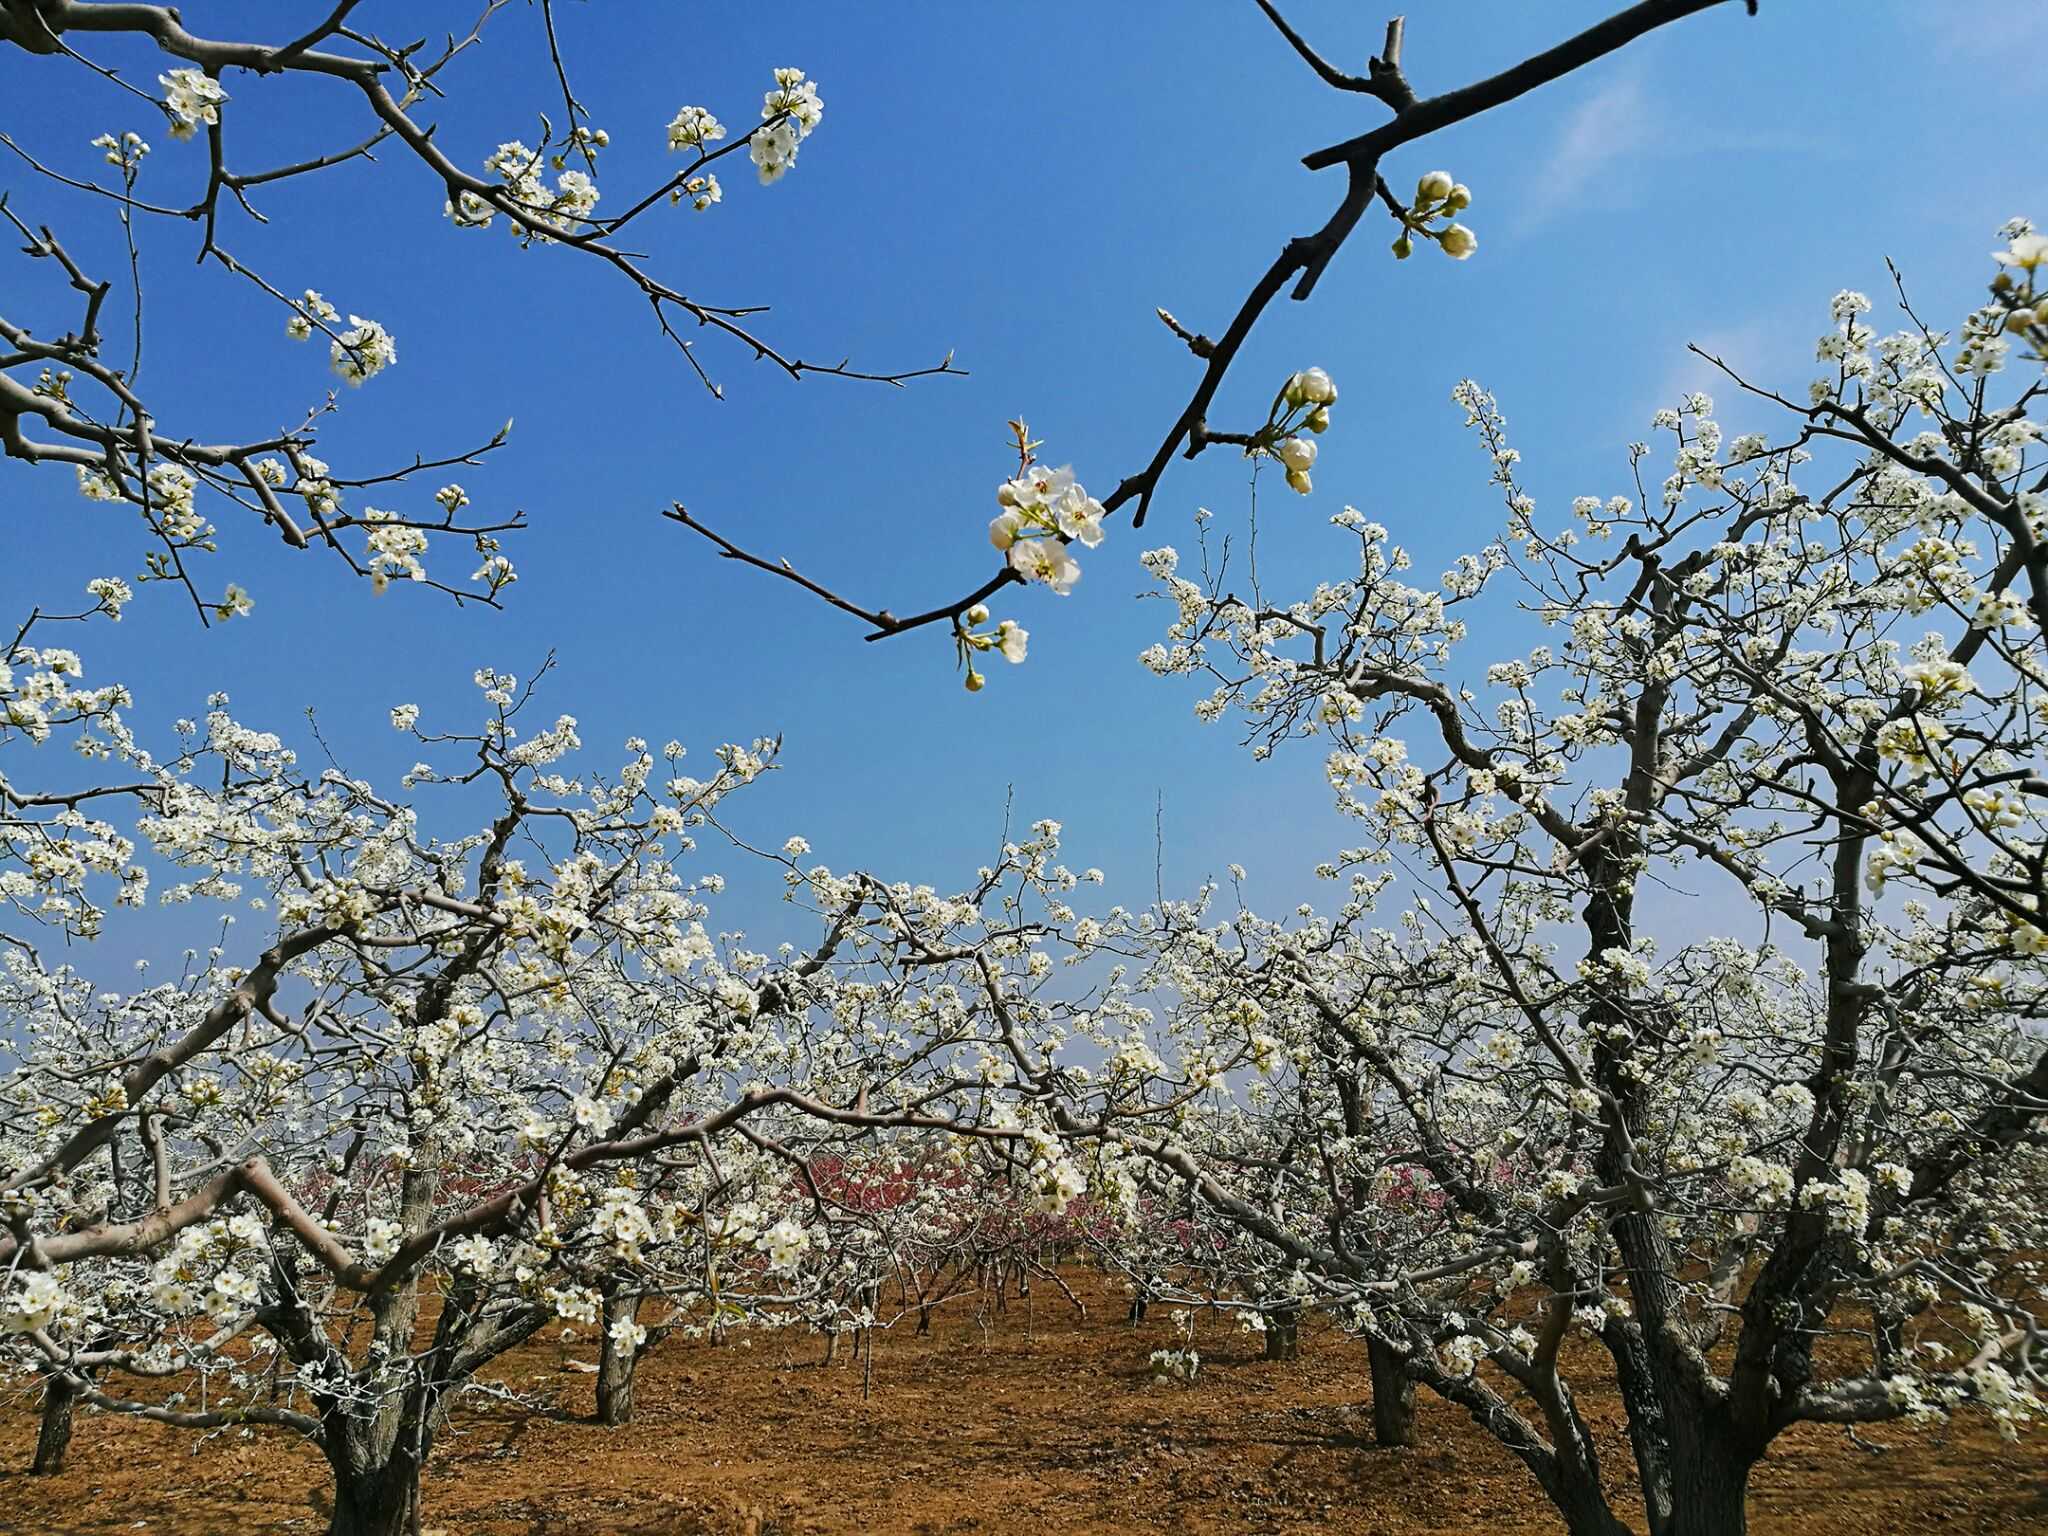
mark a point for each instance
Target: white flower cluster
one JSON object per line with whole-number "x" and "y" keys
{"x": 785, "y": 1243}
{"x": 211, "y": 1268}
{"x": 125, "y": 153}
{"x": 1462, "y": 1355}
{"x": 171, "y": 490}
{"x": 788, "y": 114}
{"x": 111, "y": 593}
{"x": 1766, "y": 1183}
{"x": 362, "y": 351}
{"x": 2020, "y": 307}
{"x": 474, "y": 1254}
{"x": 394, "y": 548}
{"x": 192, "y": 100}
{"x": 1043, "y": 510}
{"x": 563, "y": 208}
{"x": 573, "y": 1303}
{"x": 31, "y": 1303}
{"x": 693, "y": 128}
{"x": 623, "y": 1223}
{"x": 1846, "y": 1201}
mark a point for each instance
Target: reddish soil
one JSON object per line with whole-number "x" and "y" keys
{"x": 1051, "y": 1429}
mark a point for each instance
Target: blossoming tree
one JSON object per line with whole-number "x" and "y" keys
{"x": 1770, "y": 1156}
{"x": 476, "y": 1082}
{"x": 1788, "y": 1172}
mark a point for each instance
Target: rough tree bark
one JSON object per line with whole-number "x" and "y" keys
{"x": 376, "y": 1457}
{"x": 1393, "y": 1396}
{"x": 1709, "y": 1491}
{"x": 60, "y": 1401}
{"x": 617, "y": 1362}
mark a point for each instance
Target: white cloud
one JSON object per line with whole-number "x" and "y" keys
{"x": 1616, "y": 122}
{"x": 1610, "y": 141}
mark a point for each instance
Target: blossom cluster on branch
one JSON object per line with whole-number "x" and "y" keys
{"x": 71, "y": 386}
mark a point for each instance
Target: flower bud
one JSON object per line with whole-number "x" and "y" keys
{"x": 2020, "y": 320}
{"x": 2041, "y": 313}
{"x": 1461, "y": 197}
{"x": 1297, "y": 453}
{"x": 1433, "y": 188}
{"x": 975, "y": 681}
{"x": 1458, "y": 242}
{"x": 1318, "y": 419}
{"x": 978, "y": 614}
{"x": 1403, "y": 246}
{"x": 1316, "y": 387}
{"x": 1003, "y": 529}
{"x": 1298, "y": 481}
{"x": 1296, "y": 390}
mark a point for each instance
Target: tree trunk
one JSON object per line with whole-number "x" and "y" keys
{"x": 1692, "y": 1466}
{"x": 376, "y": 1452}
{"x": 1709, "y": 1493}
{"x": 1283, "y": 1334}
{"x": 1393, "y": 1396}
{"x": 376, "y": 1501}
{"x": 60, "y": 1400}
{"x": 617, "y": 1360}
{"x": 1649, "y": 1428}
{"x": 1585, "y": 1511}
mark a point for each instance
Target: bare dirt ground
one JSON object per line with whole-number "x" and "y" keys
{"x": 1053, "y": 1428}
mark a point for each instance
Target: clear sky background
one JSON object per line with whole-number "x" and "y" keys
{"x": 1021, "y": 184}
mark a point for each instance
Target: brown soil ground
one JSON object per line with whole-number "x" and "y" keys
{"x": 1047, "y": 1428}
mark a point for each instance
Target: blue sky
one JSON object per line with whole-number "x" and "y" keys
{"x": 1020, "y": 184}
